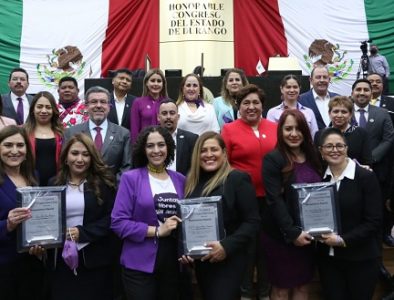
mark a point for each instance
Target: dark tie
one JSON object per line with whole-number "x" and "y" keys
{"x": 98, "y": 140}
{"x": 19, "y": 111}
{"x": 362, "y": 121}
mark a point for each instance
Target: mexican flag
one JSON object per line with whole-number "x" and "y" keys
{"x": 85, "y": 39}
{"x": 80, "y": 38}
{"x": 329, "y": 31}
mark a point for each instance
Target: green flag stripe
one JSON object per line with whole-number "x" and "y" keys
{"x": 11, "y": 12}
{"x": 380, "y": 20}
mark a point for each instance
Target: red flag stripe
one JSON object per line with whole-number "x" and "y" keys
{"x": 132, "y": 33}
{"x": 258, "y": 33}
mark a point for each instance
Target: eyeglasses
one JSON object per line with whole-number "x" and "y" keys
{"x": 330, "y": 147}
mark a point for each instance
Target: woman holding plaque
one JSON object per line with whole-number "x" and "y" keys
{"x": 20, "y": 274}
{"x": 89, "y": 200}
{"x": 220, "y": 273}
{"x": 349, "y": 259}
{"x": 144, "y": 217}
{"x": 288, "y": 248}
{"x": 46, "y": 134}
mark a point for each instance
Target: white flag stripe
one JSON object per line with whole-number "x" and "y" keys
{"x": 55, "y": 24}
{"x": 339, "y": 22}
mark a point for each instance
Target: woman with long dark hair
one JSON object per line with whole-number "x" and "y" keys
{"x": 45, "y": 134}
{"x": 288, "y": 248}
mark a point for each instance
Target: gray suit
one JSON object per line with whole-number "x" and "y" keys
{"x": 381, "y": 136}
{"x": 116, "y": 151}
{"x": 8, "y": 107}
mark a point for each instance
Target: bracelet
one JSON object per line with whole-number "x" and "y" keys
{"x": 156, "y": 234}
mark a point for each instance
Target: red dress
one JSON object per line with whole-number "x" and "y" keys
{"x": 246, "y": 151}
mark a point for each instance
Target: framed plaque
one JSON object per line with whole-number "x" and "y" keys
{"x": 202, "y": 222}
{"x": 47, "y": 226}
{"x": 316, "y": 203}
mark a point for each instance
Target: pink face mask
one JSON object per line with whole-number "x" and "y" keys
{"x": 70, "y": 255}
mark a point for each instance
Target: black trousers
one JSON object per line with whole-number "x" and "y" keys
{"x": 221, "y": 280}
{"x": 22, "y": 279}
{"x": 163, "y": 283}
{"x": 348, "y": 280}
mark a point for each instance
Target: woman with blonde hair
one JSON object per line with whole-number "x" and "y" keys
{"x": 145, "y": 109}
{"x": 225, "y": 106}
{"x": 219, "y": 273}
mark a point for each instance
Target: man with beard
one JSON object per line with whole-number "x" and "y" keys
{"x": 111, "y": 140}
{"x": 184, "y": 140}
{"x": 121, "y": 101}
{"x": 380, "y": 131}
{"x": 72, "y": 110}
{"x": 16, "y": 103}
{"x": 378, "y": 64}
{"x": 318, "y": 97}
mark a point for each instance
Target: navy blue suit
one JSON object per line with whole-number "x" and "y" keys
{"x": 308, "y": 100}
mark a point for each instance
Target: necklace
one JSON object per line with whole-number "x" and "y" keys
{"x": 154, "y": 169}
{"x": 73, "y": 184}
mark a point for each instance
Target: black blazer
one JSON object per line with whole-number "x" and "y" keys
{"x": 8, "y": 107}
{"x": 112, "y": 115}
{"x": 387, "y": 103}
{"x": 360, "y": 216}
{"x": 185, "y": 141}
{"x": 240, "y": 211}
{"x": 95, "y": 229}
{"x": 280, "y": 217}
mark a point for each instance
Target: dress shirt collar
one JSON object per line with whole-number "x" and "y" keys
{"x": 349, "y": 171}
{"x": 317, "y": 97}
{"x": 103, "y": 126}
{"x": 357, "y": 108}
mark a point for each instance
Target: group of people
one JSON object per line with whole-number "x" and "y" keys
{"x": 126, "y": 161}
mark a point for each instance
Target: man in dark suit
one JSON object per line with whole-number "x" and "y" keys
{"x": 184, "y": 140}
{"x": 121, "y": 101}
{"x": 318, "y": 97}
{"x": 16, "y": 103}
{"x": 112, "y": 141}
{"x": 378, "y": 99}
{"x": 379, "y": 127}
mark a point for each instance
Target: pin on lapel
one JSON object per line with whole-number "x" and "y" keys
{"x": 263, "y": 136}
{"x": 371, "y": 120}
{"x": 111, "y": 137}
{"x": 148, "y": 106}
{"x": 127, "y": 105}
{"x": 181, "y": 136}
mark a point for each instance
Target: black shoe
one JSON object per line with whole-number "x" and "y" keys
{"x": 388, "y": 240}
